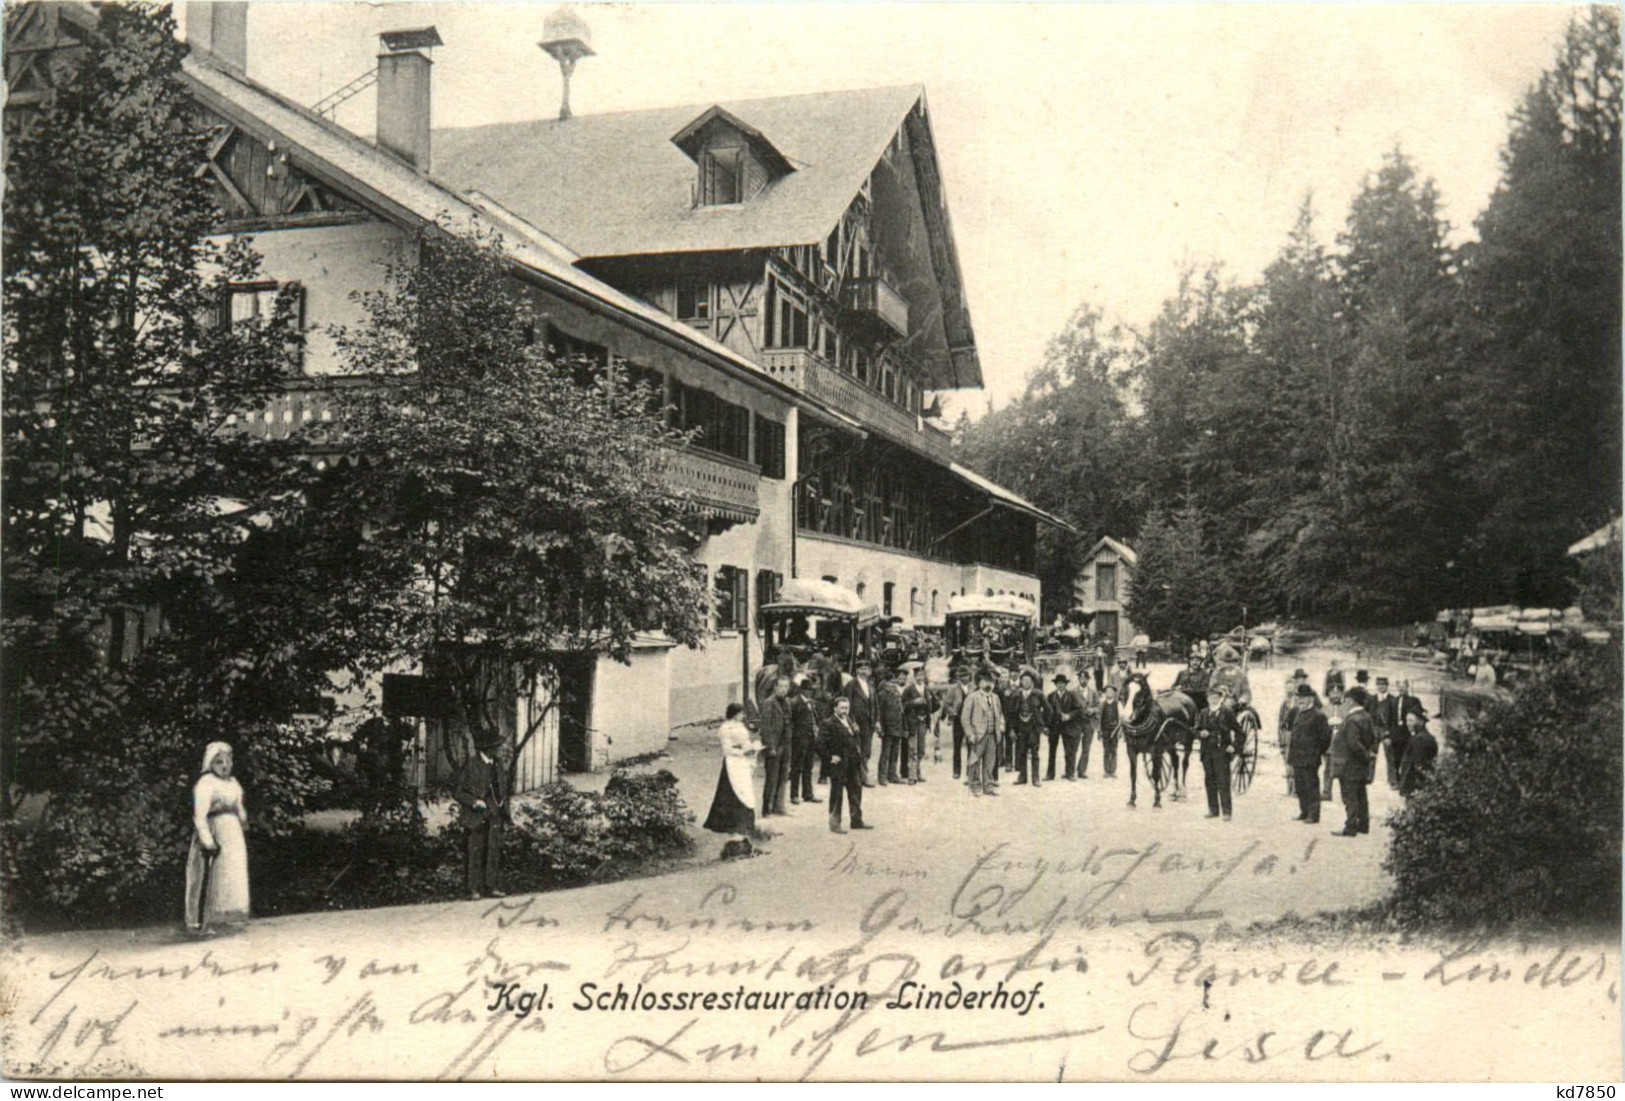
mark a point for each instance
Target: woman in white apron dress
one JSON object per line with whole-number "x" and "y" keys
{"x": 733, "y": 810}
{"x": 217, "y": 866}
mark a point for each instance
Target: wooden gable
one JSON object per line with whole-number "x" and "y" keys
{"x": 42, "y": 43}
{"x": 257, "y": 182}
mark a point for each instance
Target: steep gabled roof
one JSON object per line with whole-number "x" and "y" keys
{"x": 1122, "y": 550}
{"x": 616, "y": 185}
{"x": 388, "y": 185}
{"x": 1009, "y": 498}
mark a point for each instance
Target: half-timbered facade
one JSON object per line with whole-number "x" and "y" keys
{"x": 797, "y": 319}
{"x": 811, "y": 235}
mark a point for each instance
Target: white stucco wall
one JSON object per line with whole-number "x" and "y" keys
{"x": 331, "y": 262}
{"x": 852, "y": 564}
{"x": 629, "y": 706}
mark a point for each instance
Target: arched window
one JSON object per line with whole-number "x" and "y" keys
{"x": 861, "y": 587}
{"x": 885, "y": 598}
{"x": 913, "y": 605}
{"x": 933, "y": 603}
{"x": 990, "y": 592}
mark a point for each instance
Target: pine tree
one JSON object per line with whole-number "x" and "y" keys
{"x": 128, "y": 497}
{"x": 1541, "y": 406}
{"x": 1289, "y": 403}
{"x": 1394, "y": 489}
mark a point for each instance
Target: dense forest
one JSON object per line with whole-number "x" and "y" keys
{"x": 1382, "y": 424}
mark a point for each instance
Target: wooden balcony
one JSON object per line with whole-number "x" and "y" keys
{"x": 877, "y": 299}
{"x": 719, "y": 486}
{"x": 811, "y": 374}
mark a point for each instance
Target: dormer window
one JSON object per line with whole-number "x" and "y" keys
{"x": 734, "y": 159}
{"x": 721, "y": 177}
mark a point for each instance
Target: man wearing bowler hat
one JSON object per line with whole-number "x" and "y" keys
{"x": 1353, "y": 752}
{"x": 1311, "y": 738}
{"x": 482, "y": 792}
{"x": 1065, "y": 724}
{"x": 1384, "y": 712}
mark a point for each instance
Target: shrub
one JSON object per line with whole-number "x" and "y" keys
{"x": 113, "y": 841}
{"x": 1522, "y": 819}
{"x": 127, "y": 860}
{"x": 645, "y": 815}
{"x": 563, "y": 836}
{"x": 558, "y": 838}
{"x": 111, "y": 851}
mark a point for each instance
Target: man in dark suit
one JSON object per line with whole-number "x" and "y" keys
{"x": 804, "y": 720}
{"x": 482, "y": 791}
{"x": 1311, "y": 737}
{"x": 918, "y": 707}
{"x": 1111, "y": 719}
{"x": 860, "y": 696}
{"x": 1216, "y": 729}
{"x": 840, "y": 744}
{"x": 1010, "y": 697}
{"x": 1384, "y": 712}
{"x": 1409, "y": 703}
{"x": 773, "y": 730}
{"x": 1032, "y": 716}
{"x": 1421, "y": 752}
{"x": 1065, "y": 725}
{"x": 1353, "y": 752}
{"x": 889, "y": 710}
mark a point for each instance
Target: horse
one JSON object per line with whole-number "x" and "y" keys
{"x": 1154, "y": 728}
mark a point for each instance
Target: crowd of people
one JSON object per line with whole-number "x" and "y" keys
{"x": 1339, "y": 735}
{"x": 816, "y": 729}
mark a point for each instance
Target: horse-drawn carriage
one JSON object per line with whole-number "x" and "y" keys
{"x": 999, "y": 629}
{"x": 819, "y": 617}
{"x": 1160, "y": 727}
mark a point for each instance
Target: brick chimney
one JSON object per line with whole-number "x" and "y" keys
{"x": 219, "y": 29}
{"x": 403, "y": 94}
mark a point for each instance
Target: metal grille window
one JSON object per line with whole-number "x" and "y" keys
{"x": 723, "y": 426}
{"x": 770, "y": 447}
{"x": 693, "y": 300}
{"x": 731, "y": 598}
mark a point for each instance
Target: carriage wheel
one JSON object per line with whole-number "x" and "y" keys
{"x": 1245, "y": 766}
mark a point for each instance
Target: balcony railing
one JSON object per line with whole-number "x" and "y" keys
{"x": 876, "y": 298}
{"x": 719, "y": 486}
{"x": 811, "y": 374}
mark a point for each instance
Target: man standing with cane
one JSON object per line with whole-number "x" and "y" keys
{"x": 482, "y": 792}
{"x": 773, "y": 730}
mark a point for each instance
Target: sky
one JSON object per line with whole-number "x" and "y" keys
{"x": 1089, "y": 151}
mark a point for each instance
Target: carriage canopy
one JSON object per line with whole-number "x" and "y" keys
{"x": 1006, "y": 607}
{"x": 820, "y": 598}
{"x": 1002, "y": 626}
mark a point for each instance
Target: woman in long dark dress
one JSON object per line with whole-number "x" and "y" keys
{"x": 733, "y": 810}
